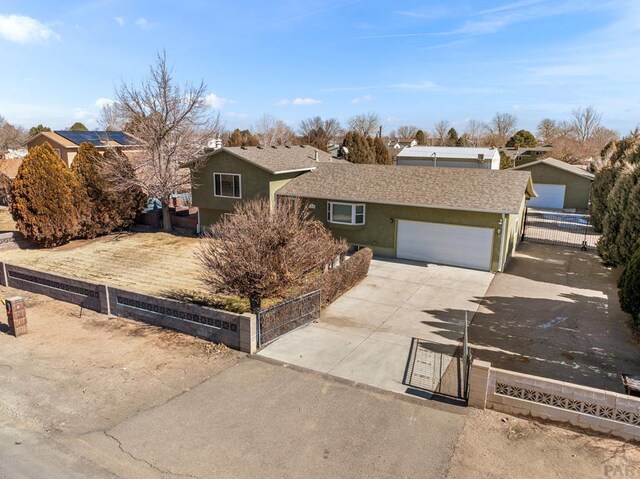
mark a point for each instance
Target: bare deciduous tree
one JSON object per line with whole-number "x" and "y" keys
{"x": 547, "y": 131}
{"x": 584, "y": 122}
{"x": 112, "y": 117}
{"x": 256, "y": 253}
{"x": 501, "y": 127}
{"x": 11, "y": 136}
{"x": 174, "y": 123}
{"x": 474, "y": 133}
{"x": 320, "y": 133}
{"x": 366, "y": 124}
{"x": 273, "y": 132}
{"x": 440, "y": 131}
{"x": 406, "y": 131}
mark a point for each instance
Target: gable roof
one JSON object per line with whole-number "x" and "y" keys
{"x": 496, "y": 191}
{"x": 576, "y": 170}
{"x": 53, "y": 136}
{"x": 277, "y": 159}
{"x": 456, "y": 152}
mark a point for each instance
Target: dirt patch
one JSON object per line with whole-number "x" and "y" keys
{"x": 494, "y": 445}
{"x": 77, "y": 371}
{"x": 6, "y": 221}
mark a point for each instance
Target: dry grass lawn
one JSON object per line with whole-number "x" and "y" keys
{"x": 156, "y": 263}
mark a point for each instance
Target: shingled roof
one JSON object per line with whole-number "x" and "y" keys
{"x": 278, "y": 159}
{"x": 576, "y": 170}
{"x": 496, "y": 191}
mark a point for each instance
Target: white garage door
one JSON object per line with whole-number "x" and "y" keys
{"x": 465, "y": 246}
{"x": 549, "y": 196}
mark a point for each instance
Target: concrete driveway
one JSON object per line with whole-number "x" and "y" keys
{"x": 366, "y": 335}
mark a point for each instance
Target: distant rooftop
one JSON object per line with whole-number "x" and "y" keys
{"x": 98, "y": 138}
{"x": 461, "y": 152}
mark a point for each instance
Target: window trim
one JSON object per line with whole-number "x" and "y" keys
{"x": 353, "y": 213}
{"x": 239, "y": 197}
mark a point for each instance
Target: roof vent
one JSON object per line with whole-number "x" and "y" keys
{"x": 274, "y": 147}
{"x": 301, "y": 146}
{"x": 243, "y": 147}
{"x": 259, "y": 147}
{"x": 315, "y": 155}
{"x": 287, "y": 146}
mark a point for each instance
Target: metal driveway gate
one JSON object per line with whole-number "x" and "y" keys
{"x": 435, "y": 368}
{"x": 559, "y": 228}
{"x": 284, "y": 317}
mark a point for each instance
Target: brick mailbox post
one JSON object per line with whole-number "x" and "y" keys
{"x": 17, "y": 315}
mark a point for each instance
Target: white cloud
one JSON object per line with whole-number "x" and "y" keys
{"x": 119, "y": 21}
{"x": 362, "y": 99}
{"x": 142, "y": 23}
{"x": 215, "y": 101}
{"x": 425, "y": 85}
{"x": 23, "y": 29}
{"x": 101, "y": 102}
{"x": 80, "y": 113}
{"x": 305, "y": 101}
{"x": 282, "y": 102}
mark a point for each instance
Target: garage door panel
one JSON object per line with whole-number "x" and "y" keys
{"x": 469, "y": 247}
{"x": 549, "y": 196}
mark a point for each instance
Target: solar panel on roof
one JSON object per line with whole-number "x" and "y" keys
{"x": 96, "y": 138}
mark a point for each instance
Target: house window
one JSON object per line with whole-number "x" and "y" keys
{"x": 345, "y": 213}
{"x": 226, "y": 185}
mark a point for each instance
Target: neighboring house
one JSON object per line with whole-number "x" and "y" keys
{"x": 393, "y": 154}
{"x": 231, "y": 174}
{"x": 449, "y": 216}
{"x": 8, "y": 171}
{"x": 558, "y": 184}
{"x": 399, "y": 143}
{"x": 522, "y": 156}
{"x": 450, "y": 156}
{"x": 66, "y": 142}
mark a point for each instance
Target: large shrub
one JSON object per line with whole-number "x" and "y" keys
{"x": 629, "y": 292}
{"x": 115, "y": 202}
{"x": 613, "y": 249}
{"x": 337, "y": 281}
{"x": 48, "y": 204}
{"x": 603, "y": 183}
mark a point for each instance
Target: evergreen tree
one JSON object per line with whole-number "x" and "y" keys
{"x": 452, "y": 138}
{"x": 77, "y": 126}
{"x": 48, "y": 204}
{"x": 522, "y": 138}
{"x": 505, "y": 161}
{"x": 34, "y": 130}
{"x": 242, "y": 138}
{"x": 86, "y": 169}
{"x": 381, "y": 152}
{"x": 421, "y": 138}
{"x": 605, "y": 179}
{"x": 608, "y": 246}
{"x": 128, "y": 198}
{"x": 358, "y": 149}
{"x": 629, "y": 292}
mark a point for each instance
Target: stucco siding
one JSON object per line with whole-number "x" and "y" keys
{"x": 578, "y": 189}
{"x": 254, "y": 182}
{"x": 513, "y": 229}
{"x": 66, "y": 154}
{"x": 380, "y": 229}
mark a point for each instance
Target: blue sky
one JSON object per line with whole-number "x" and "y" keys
{"x": 411, "y": 62}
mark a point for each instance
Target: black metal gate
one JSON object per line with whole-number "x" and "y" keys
{"x": 559, "y": 228}
{"x": 437, "y": 369}
{"x": 284, "y": 317}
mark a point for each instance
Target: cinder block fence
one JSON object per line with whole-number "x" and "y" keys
{"x": 522, "y": 394}
{"x": 237, "y": 331}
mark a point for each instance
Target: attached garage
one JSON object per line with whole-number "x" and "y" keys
{"x": 452, "y": 216}
{"x": 466, "y": 246}
{"x": 559, "y": 185}
{"x": 549, "y": 196}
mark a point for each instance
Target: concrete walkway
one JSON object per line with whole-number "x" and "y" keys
{"x": 366, "y": 335}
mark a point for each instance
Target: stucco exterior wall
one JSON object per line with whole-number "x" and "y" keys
{"x": 254, "y": 183}
{"x": 578, "y": 189}
{"x": 66, "y": 154}
{"x": 380, "y": 229}
{"x": 513, "y": 229}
